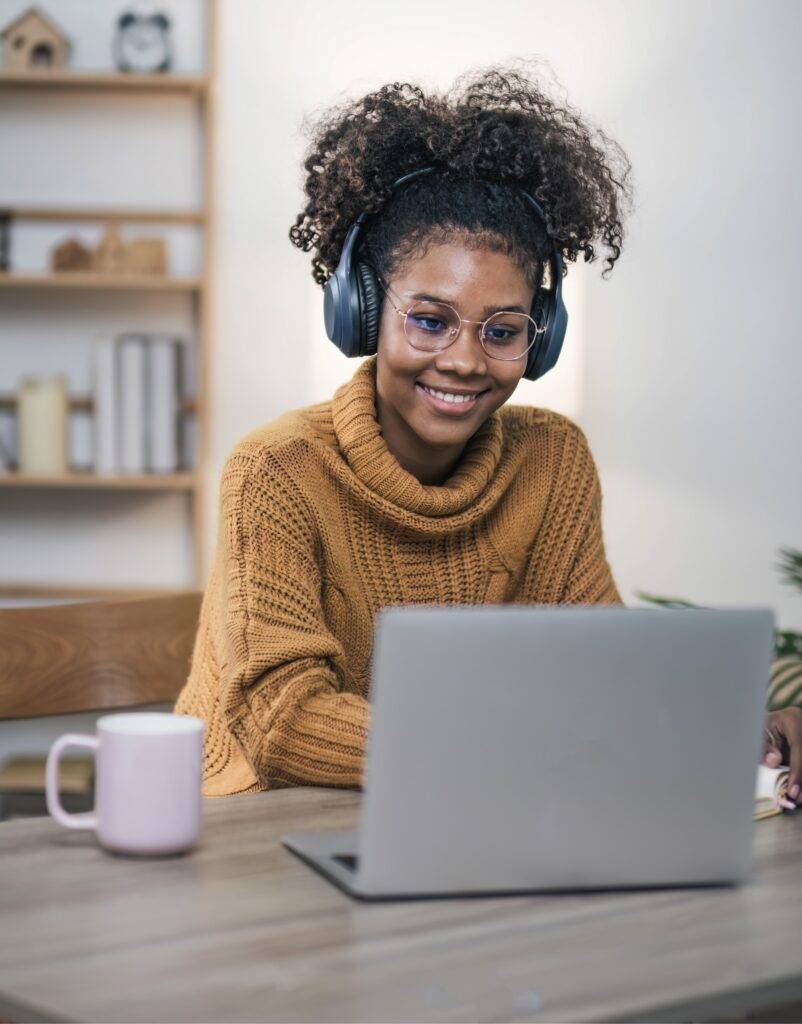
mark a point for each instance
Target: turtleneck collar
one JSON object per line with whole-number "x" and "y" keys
{"x": 359, "y": 436}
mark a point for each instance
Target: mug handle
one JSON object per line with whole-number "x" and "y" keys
{"x": 87, "y": 819}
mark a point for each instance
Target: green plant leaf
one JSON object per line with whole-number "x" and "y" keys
{"x": 791, "y": 567}
{"x": 666, "y": 602}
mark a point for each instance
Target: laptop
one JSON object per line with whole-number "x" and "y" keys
{"x": 526, "y": 748}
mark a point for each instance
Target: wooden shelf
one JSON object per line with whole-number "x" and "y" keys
{"x": 103, "y": 81}
{"x": 86, "y": 280}
{"x": 39, "y": 591}
{"x": 100, "y": 213}
{"x": 85, "y": 403}
{"x": 93, "y": 481}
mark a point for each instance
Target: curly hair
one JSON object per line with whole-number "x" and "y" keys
{"x": 493, "y": 129}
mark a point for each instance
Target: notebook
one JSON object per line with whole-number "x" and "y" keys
{"x": 771, "y": 791}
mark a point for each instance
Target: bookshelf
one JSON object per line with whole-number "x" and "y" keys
{"x": 67, "y": 86}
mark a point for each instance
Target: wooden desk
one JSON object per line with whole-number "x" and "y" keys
{"x": 240, "y": 930}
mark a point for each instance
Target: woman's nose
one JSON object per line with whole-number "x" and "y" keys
{"x": 467, "y": 350}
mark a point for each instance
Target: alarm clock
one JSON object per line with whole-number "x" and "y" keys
{"x": 142, "y": 42}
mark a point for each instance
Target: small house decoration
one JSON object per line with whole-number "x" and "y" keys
{"x": 142, "y": 42}
{"x": 109, "y": 257}
{"x": 71, "y": 255}
{"x": 33, "y": 42}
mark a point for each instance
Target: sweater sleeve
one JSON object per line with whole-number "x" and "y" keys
{"x": 282, "y": 681}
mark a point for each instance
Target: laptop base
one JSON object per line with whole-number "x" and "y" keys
{"x": 334, "y": 855}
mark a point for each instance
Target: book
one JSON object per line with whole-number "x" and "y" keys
{"x": 771, "y": 791}
{"x": 138, "y": 424}
{"x": 132, "y": 411}
{"x": 105, "y": 387}
{"x": 162, "y": 388}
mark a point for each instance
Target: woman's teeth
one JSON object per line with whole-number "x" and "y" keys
{"x": 456, "y": 399}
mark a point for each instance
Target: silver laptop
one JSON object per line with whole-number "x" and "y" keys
{"x": 518, "y": 748}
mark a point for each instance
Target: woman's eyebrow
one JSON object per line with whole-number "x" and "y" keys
{"x": 487, "y": 311}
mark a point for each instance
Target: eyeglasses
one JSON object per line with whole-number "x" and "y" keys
{"x": 432, "y": 326}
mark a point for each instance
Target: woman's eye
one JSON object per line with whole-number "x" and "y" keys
{"x": 499, "y": 334}
{"x": 428, "y": 323}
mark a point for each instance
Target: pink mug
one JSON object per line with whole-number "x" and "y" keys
{"x": 148, "y": 768}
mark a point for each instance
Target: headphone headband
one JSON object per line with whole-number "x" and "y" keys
{"x": 352, "y": 299}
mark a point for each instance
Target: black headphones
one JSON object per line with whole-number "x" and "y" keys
{"x": 352, "y": 301}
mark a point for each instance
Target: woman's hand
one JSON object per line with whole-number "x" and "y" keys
{"x": 782, "y": 744}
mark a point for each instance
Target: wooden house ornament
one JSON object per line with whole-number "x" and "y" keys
{"x": 145, "y": 256}
{"x": 140, "y": 256}
{"x": 72, "y": 254}
{"x": 109, "y": 256}
{"x": 32, "y": 42}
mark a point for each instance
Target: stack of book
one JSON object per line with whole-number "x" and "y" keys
{"x": 137, "y": 385}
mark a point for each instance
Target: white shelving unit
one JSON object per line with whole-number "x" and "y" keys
{"x": 68, "y": 87}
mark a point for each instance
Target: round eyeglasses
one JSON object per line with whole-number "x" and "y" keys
{"x": 432, "y": 326}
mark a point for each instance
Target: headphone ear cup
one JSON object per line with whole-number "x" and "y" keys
{"x": 539, "y": 313}
{"x": 370, "y": 300}
{"x": 548, "y": 311}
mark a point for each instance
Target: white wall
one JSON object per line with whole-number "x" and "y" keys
{"x": 693, "y": 370}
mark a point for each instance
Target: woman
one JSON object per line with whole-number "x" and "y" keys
{"x": 415, "y": 483}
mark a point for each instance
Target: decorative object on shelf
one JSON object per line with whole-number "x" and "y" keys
{"x": 43, "y": 425}
{"x": 145, "y": 256}
{"x": 71, "y": 254}
{"x": 32, "y": 41}
{"x": 109, "y": 257}
{"x": 142, "y": 42}
{"x": 140, "y": 256}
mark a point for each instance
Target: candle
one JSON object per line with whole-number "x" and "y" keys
{"x": 42, "y": 425}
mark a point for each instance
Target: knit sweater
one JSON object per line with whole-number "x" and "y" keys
{"x": 320, "y": 527}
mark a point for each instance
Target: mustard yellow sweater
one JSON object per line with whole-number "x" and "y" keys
{"x": 320, "y": 527}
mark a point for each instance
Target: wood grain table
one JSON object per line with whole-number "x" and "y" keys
{"x": 241, "y": 930}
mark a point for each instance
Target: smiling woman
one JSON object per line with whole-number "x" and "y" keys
{"x": 416, "y": 482}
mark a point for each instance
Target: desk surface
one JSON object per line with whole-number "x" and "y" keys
{"x": 241, "y": 930}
